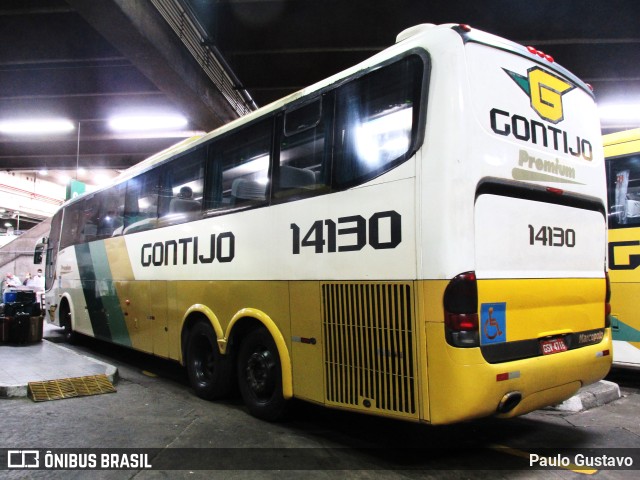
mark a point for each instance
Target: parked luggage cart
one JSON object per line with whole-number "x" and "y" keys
{"x": 21, "y": 319}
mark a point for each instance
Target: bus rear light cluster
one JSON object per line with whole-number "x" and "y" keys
{"x": 541, "y": 54}
{"x": 461, "y": 311}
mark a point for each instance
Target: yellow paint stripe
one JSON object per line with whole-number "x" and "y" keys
{"x": 521, "y": 453}
{"x": 118, "y": 256}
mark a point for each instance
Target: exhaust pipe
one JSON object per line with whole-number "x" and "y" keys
{"x": 509, "y": 402}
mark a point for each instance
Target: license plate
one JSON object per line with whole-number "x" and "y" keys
{"x": 554, "y": 345}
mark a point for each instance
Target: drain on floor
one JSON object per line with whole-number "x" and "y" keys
{"x": 70, "y": 387}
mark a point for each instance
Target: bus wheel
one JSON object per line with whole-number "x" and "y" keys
{"x": 260, "y": 376}
{"x": 210, "y": 372}
{"x": 65, "y": 322}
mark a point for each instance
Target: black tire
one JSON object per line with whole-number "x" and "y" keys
{"x": 260, "y": 376}
{"x": 210, "y": 372}
{"x": 65, "y": 322}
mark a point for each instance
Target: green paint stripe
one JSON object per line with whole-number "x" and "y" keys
{"x": 93, "y": 302}
{"x": 624, "y": 332}
{"x": 107, "y": 291}
{"x": 521, "y": 81}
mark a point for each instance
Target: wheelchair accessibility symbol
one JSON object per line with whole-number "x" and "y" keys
{"x": 494, "y": 323}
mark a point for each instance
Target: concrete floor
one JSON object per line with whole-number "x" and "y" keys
{"x": 154, "y": 411}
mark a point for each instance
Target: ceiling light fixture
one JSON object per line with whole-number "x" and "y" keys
{"x": 36, "y": 126}
{"x": 627, "y": 112}
{"x": 147, "y": 123}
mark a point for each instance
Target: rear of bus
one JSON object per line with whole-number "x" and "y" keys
{"x": 513, "y": 164}
{"x": 622, "y": 153}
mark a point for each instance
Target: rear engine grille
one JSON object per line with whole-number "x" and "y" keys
{"x": 368, "y": 337}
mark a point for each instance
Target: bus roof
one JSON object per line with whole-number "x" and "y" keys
{"x": 621, "y": 137}
{"x": 466, "y": 33}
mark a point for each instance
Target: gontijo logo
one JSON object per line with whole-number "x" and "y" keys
{"x": 545, "y": 91}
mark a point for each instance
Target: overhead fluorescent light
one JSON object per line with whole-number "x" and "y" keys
{"x": 625, "y": 112}
{"x": 36, "y": 126}
{"x": 101, "y": 179}
{"x": 138, "y": 123}
{"x": 159, "y": 134}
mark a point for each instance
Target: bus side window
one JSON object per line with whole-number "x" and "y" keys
{"x": 141, "y": 202}
{"x": 89, "y": 219}
{"x": 238, "y": 168}
{"x": 183, "y": 186}
{"x": 303, "y": 152}
{"x": 376, "y": 126}
{"x": 624, "y": 191}
{"x": 111, "y": 204}
{"x": 70, "y": 235}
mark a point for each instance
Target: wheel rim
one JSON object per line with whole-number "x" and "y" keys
{"x": 203, "y": 360}
{"x": 259, "y": 373}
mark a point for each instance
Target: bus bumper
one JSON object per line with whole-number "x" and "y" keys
{"x": 463, "y": 386}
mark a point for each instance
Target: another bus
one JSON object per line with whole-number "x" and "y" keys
{"x": 421, "y": 236}
{"x": 622, "y": 153}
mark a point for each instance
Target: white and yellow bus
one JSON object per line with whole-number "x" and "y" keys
{"x": 622, "y": 153}
{"x": 421, "y": 236}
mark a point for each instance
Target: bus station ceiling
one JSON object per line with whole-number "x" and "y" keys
{"x": 213, "y": 60}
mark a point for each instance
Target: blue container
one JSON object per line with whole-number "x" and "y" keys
{"x": 9, "y": 295}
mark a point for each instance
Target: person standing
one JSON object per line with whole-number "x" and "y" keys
{"x": 37, "y": 282}
{"x": 11, "y": 281}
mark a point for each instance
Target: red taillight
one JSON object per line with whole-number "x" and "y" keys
{"x": 461, "y": 295}
{"x": 460, "y": 303}
{"x": 555, "y": 191}
{"x": 461, "y": 321}
{"x": 540, "y": 53}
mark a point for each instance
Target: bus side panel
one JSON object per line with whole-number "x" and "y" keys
{"x": 135, "y": 300}
{"x": 158, "y": 317}
{"x": 307, "y": 341}
{"x": 69, "y": 282}
{"x": 225, "y": 299}
{"x": 101, "y": 296}
{"x": 625, "y": 324}
{"x": 624, "y": 250}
